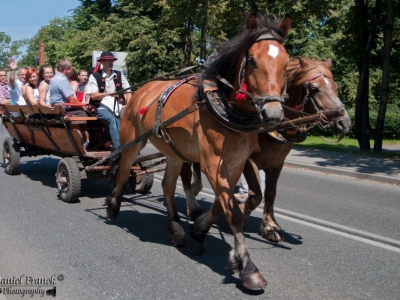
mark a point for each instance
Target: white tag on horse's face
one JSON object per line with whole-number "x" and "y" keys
{"x": 273, "y": 51}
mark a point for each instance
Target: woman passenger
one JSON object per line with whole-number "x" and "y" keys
{"x": 30, "y": 89}
{"x": 46, "y": 72}
{"x": 73, "y": 80}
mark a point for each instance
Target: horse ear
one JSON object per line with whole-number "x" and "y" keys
{"x": 252, "y": 23}
{"x": 328, "y": 62}
{"x": 286, "y": 24}
{"x": 302, "y": 62}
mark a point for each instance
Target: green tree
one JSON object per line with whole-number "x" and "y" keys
{"x": 60, "y": 39}
{"x": 9, "y": 48}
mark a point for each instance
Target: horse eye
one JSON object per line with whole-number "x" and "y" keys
{"x": 251, "y": 61}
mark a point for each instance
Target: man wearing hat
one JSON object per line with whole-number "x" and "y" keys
{"x": 104, "y": 102}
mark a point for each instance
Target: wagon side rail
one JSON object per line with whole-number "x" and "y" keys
{"x": 45, "y": 128}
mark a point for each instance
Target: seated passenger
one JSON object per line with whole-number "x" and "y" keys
{"x": 61, "y": 92}
{"x": 30, "y": 88}
{"x": 46, "y": 72}
{"x": 101, "y": 87}
{"x": 80, "y": 91}
{"x": 73, "y": 80}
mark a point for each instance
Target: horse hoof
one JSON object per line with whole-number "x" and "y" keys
{"x": 253, "y": 281}
{"x": 178, "y": 240}
{"x": 194, "y": 247}
{"x": 112, "y": 213}
{"x": 194, "y": 214}
{"x": 272, "y": 235}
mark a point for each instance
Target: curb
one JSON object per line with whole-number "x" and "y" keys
{"x": 341, "y": 171}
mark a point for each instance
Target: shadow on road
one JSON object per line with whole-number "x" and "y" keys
{"x": 145, "y": 217}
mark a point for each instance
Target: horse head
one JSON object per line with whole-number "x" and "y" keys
{"x": 312, "y": 89}
{"x": 254, "y": 63}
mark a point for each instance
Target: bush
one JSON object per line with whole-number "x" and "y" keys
{"x": 391, "y": 130}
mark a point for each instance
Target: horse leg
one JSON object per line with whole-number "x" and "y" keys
{"x": 197, "y": 184}
{"x": 269, "y": 228}
{"x": 192, "y": 206}
{"x": 176, "y": 232}
{"x": 239, "y": 260}
{"x": 114, "y": 201}
{"x": 226, "y": 203}
{"x": 254, "y": 199}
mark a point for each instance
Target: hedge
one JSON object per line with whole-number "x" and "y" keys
{"x": 391, "y": 130}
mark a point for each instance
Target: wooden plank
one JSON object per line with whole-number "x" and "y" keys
{"x": 70, "y": 119}
{"x": 58, "y": 109}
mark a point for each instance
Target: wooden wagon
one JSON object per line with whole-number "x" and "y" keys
{"x": 43, "y": 131}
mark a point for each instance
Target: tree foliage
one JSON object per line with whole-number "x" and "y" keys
{"x": 9, "y": 48}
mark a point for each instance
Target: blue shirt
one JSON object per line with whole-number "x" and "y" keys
{"x": 60, "y": 89}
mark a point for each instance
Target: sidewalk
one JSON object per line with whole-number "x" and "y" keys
{"x": 359, "y": 166}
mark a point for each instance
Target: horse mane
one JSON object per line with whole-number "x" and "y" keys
{"x": 298, "y": 68}
{"x": 234, "y": 49}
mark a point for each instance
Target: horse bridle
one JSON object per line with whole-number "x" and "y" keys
{"x": 309, "y": 96}
{"x": 257, "y": 101}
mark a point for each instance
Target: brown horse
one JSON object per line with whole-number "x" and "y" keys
{"x": 311, "y": 89}
{"x": 256, "y": 56}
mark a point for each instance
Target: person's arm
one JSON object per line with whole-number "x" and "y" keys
{"x": 99, "y": 96}
{"x": 93, "y": 90}
{"x": 13, "y": 67}
{"x": 86, "y": 97}
{"x": 74, "y": 85}
{"x": 72, "y": 99}
{"x": 43, "y": 88}
{"x": 68, "y": 93}
{"x": 29, "y": 96}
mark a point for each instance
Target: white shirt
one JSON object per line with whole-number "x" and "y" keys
{"x": 16, "y": 94}
{"x": 108, "y": 101}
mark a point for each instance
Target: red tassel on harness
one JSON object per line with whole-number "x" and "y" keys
{"x": 143, "y": 110}
{"x": 297, "y": 107}
{"x": 242, "y": 96}
{"x": 97, "y": 67}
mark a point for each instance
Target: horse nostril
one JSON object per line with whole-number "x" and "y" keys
{"x": 340, "y": 124}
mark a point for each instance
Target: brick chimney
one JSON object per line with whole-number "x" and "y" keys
{"x": 41, "y": 54}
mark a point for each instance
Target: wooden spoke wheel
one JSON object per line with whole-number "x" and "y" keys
{"x": 11, "y": 156}
{"x": 68, "y": 180}
{"x": 142, "y": 184}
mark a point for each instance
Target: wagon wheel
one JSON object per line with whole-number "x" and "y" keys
{"x": 142, "y": 183}
{"x": 68, "y": 180}
{"x": 11, "y": 156}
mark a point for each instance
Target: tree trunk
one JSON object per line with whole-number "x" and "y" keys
{"x": 187, "y": 51}
{"x": 380, "y": 122}
{"x": 203, "y": 38}
{"x": 367, "y": 38}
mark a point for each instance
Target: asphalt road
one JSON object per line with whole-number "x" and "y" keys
{"x": 341, "y": 241}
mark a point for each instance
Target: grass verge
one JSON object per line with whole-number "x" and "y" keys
{"x": 349, "y": 145}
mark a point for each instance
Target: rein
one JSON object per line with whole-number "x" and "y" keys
{"x": 161, "y": 77}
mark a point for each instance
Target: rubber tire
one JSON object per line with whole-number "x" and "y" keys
{"x": 142, "y": 184}
{"x": 68, "y": 192}
{"x": 11, "y": 156}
